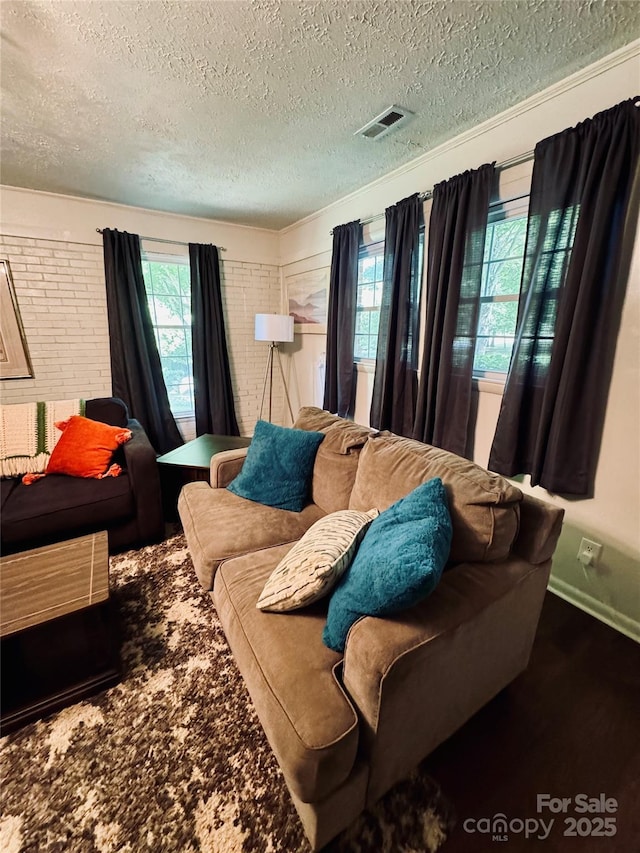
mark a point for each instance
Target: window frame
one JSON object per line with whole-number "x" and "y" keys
{"x": 367, "y": 250}
{"x": 500, "y": 210}
{"x": 180, "y": 260}
{"x": 377, "y": 247}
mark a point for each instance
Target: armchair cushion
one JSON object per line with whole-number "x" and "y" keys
{"x": 278, "y": 468}
{"x": 399, "y": 562}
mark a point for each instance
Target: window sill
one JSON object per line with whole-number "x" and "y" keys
{"x": 488, "y": 386}
{"x": 480, "y": 383}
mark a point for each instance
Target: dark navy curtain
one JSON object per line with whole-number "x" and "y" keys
{"x": 573, "y": 285}
{"x": 457, "y": 230}
{"x": 340, "y": 375}
{"x": 212, "y": 388}
{"x": 136, "y": 372}
{"x": 395, "y": 384}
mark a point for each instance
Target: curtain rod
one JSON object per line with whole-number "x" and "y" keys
{"x": 161, "y": 240}
{"x": 427, "y": 194}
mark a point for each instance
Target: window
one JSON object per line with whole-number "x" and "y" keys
{"x": 369, "y": 297}
{"x": 500, "y": 288}
{"x": 501, "y": 274}
{"x": 168, "y": 286}
{"x": 502, "y": 264}
{"x": 551, "y": 266}
{"x": 368, "y": 300}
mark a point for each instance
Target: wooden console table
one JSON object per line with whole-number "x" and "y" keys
{"x": 54, "y": 580}
{"x": 58, "y": 636}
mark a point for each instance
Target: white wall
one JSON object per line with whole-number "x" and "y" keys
{"x": 55, "y": 255}
{"x": 612, "y": 517}
{"x": 303, "y": 357}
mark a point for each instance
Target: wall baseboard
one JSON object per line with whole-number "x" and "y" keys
{"x": 625, "y": 624}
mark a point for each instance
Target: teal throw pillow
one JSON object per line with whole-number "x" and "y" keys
{"x": 399, "y": 562}
{"x": 279, "y": 466}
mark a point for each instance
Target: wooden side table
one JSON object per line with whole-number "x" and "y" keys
{"x": 40, "y": 584}
{"x": 58, "y": 631}
{"x": 189, "y": 463}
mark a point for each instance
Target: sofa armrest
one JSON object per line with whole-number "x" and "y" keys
{"x": 417, "y": 676}
{"x": 140, "y": 461}
{"x": 225, "y": 466}
{"x": 540, "y": 527}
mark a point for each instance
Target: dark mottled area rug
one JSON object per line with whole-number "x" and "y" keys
{"x": 173, "y": 759}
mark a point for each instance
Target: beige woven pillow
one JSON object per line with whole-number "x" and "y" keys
{"x": 315, "y": 564}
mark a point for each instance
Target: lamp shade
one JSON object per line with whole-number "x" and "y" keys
{"x": 274, "y": 327}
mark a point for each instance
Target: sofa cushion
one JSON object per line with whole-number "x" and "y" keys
{"x": 484, "y": 507}
{"x": 219, "y": 524}
{"x": 399, "y": 562}
{"x": 278, "y": 468}
{"x": 313, "y": 418}
{"x": 307, "y": 717}
{"x": 35, "y": 513}
{"x": 336, "y": 464}
{"x": 316, "y": 562}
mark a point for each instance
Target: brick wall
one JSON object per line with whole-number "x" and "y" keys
{"x": 249, "y": 289}
{"x": 61, "y": 293}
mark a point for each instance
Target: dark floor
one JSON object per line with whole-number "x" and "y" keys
{"x": 569, "y": 725}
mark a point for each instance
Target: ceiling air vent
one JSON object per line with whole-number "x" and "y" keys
{"x": 388, "y": 120}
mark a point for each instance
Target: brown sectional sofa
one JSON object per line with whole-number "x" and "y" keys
{"x": 346, "y": 728}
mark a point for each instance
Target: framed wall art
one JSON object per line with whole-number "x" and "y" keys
{"x": 307, "y": 295}
{"x": 14, "y": 354}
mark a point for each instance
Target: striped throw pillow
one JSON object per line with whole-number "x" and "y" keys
{"x": 317, "y": 562}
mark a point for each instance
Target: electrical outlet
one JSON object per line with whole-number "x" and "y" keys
{"x": 589, "y": 552}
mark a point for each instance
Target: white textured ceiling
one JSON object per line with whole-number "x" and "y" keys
{"x": 245, "y": 111}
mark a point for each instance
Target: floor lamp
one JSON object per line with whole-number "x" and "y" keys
{"x": 277, "y": 329}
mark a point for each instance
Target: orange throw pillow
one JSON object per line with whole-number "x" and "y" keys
{"x": 84, "y": 449}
